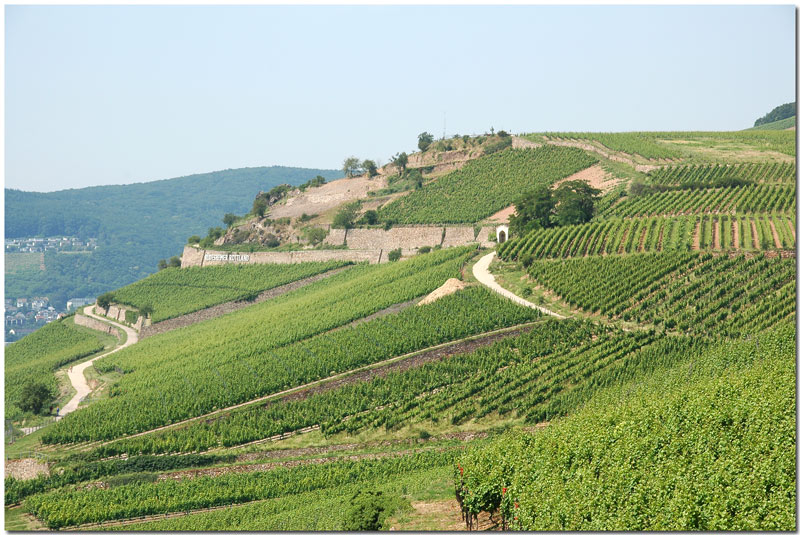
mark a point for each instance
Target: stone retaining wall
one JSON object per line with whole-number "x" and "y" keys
{"x": 97, "y": 325}
{"x": 193, "y": 256}
{"x": 364, "y": 245}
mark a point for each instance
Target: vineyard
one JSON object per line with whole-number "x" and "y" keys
{"x": 38, "y": 355}
{"x": 468, "y": 312}
{"x": 175, "y": 292}
{"x": 520, "y": 376}
{"x": 707, "y": 445}
{"x": 765, "y": 173}
{"x": 664, "y": 400}
{"x": 248, "y": 353}
{"x": 738, "y": 199}
{"x": 642, "y": 143}
{"x": 75, "y": 507}
{"x": 486, "y": 185}
{"x": 677, "y": 233}
{"x": 688, "y": 292}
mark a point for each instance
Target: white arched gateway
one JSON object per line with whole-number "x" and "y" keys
{"x": 502, "y": 233}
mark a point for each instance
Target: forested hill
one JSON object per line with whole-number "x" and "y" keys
{"x": 136, "y": 224}
{"x": 784, "y": 111}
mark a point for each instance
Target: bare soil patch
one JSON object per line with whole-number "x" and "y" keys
{"x": 642, "y": 237}
{"x": 595, "y": 176}
{"x": 715, "y": 234}
{"x": 444, "y": 515}
{"x": 450, "y": 286}
{"x": 756, "y": 242}
{"x": 696, "y": 240}
{"x": 330, "y": 195}
{"x": 735, "y": 233}
{"x": 503, "y": 215}
{"x": 775, "y": 237}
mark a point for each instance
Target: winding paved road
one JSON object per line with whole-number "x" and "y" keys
{"x": 76, "y": 373}
{"x": 481, "y": 272}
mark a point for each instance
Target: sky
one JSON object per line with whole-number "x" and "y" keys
{"x": 118, "y": 94}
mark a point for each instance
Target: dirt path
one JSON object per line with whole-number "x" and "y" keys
{"x": 735, "y": 233}
{"x": 595, "y": 176}
{"x": 776, "y": 239}
{"x": 76, "y": 373}
{"x": 754, "y": 230}
{"x": 481, "y": 272}
{"x": 696, "y": 240}
{"x": 715, "y": 239}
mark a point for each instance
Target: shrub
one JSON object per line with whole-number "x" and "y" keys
{"x": 395, "y": 254}
{"x": 369, "y": 510}
{"x": 424, "y": 249}
{"x": 526, "y": 260}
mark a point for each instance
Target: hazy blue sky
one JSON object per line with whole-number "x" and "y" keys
{"x": 109, "y": 95}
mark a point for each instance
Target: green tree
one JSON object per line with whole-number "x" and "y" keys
{"x": 395, "y": 254}
{"x": 370, "y": 217}
{"x": 533, "y": 210}
{"x": 34, "y": 397}
{"x": 315, "y": 235}
{"x": 575, "y": 202}
{"x": 105, "y": 299}
{"x": 424, "y": 141}
{"x": 175, "y": 261}
{"x": 259, "y": 206}
{"x": 229, "y": 219}
{"x": 162, "y": 264}
{"x": 346, "y": 216}
{"x": 351, "y": 167}
{"x": 401, "y": 161}
{"x": 370, "y": 168}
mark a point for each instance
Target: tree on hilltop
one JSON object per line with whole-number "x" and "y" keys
{"x": 351, "y": 167}
{"x": 229, "y": 219}
{"x": 401, "y": 161}
{"x": 370, "y": 168}
{"x": 424, "y": 141}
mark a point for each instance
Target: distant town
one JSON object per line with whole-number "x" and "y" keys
{"x": 25, "y": 315}
{"x": 53, "y": 243}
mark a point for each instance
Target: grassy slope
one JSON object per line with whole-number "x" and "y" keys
{"x": 778, "y": 125}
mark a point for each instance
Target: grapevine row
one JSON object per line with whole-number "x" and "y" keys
{"x": 486, "y": 185}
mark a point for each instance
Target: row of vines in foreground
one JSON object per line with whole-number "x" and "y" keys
{"x": 688, "y": 292}
{"x": 708, "y": 445}
{"x": 680, "y": 233}
{"x": 75, "y": 507}
{"x": 486, "y": 185}
{"x": 174, "y": 292}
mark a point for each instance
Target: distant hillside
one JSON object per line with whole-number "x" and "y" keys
{"x": 783, "y": 124}
{"x": 136, "y": 225}
{"x": 784, "y": 111}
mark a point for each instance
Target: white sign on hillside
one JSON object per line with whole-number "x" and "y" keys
{"x": 227, "y": 257}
